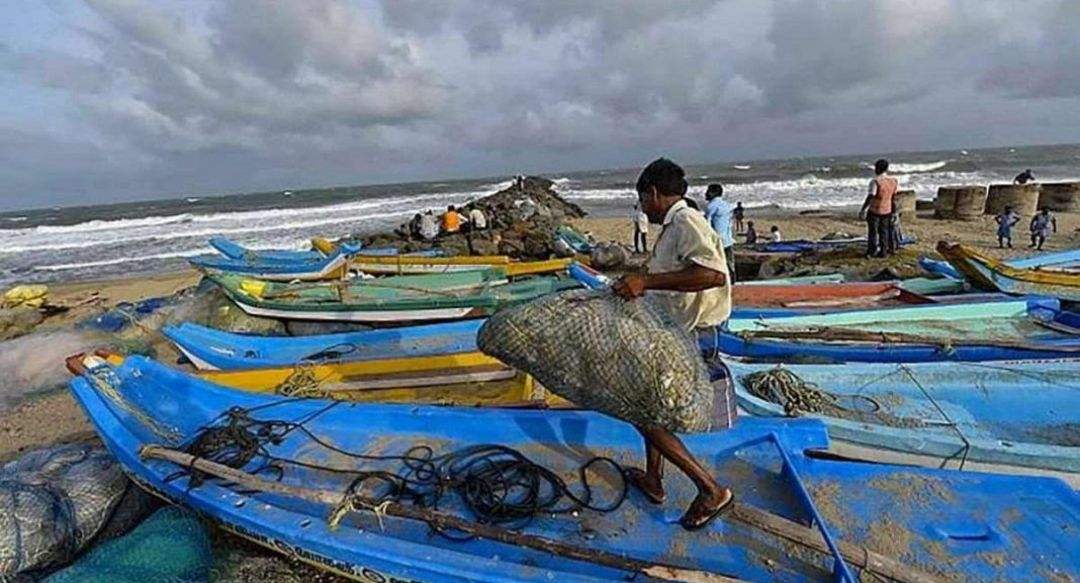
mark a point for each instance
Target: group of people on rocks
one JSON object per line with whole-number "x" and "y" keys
{"x": 427, "y": 226}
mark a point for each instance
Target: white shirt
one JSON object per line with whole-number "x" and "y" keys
{"x": 428, "y": 228}
{"x": 687, "y": 239}
{"x": 776, "y": 237}
{"x": 477, "y": 218}
{"x": 640, "y": 220}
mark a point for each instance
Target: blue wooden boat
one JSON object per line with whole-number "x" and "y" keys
{"x": 962, "y": 526}
{"x": 1035, "y": 328}
{"x": 1012, "y": 416}
{"x": 321, "y": 248}
{"x": 1057, "y": 259}
{"x": 1060, "y": 281}
{"x": 335, "y": 266}
{"x": 210, "y": 349}
{"x": 805, "y": 245}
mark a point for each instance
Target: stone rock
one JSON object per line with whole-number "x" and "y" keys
{"x": 522, "y": 221}
{"x": 609, "y": 256}
{"x": 15, "y": 322}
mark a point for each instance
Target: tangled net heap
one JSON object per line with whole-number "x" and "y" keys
{"x": 797, "y": 397}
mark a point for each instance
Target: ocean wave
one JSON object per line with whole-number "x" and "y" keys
{"x": 107, "y": 225}
{"x": 902, "y": 168}
{"x": 807, "y": 191}
{"x": 101, "y": 233}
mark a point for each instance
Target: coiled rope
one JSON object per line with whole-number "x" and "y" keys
{"x": 498, "y": 484}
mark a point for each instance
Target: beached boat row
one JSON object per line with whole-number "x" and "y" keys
{"x": 909, "y": 372}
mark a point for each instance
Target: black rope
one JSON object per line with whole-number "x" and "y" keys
{"x": 498, "y": 484}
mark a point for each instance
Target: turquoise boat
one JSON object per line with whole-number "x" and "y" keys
{"x": 1001, "y": 416}
{"x": 291, "y": 492}
{"x": 996, "y": 330}
{"x": 406, "y": 298}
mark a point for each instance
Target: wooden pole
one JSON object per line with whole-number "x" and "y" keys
{"x": 439, "y": 520}
{"x": 856, "y": 555}
{"x": 855, "y": 335}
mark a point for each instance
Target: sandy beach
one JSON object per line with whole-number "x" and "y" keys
{"x": 54, "y": 417}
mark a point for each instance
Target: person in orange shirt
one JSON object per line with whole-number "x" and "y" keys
{"x": 452, "y": 220}
{"x": 878, "y": 211}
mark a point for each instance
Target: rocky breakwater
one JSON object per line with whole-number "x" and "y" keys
{"x": 522, "y": 221}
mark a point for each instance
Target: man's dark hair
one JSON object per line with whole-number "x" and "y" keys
{"x": 881, "y": 166}
{"x": 713, "y": 191}
{"x": 667, "y": 176}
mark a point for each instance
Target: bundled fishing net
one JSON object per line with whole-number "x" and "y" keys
{"x": 623, "y": 358}
{"x": 170, "y": 546}
{"x": 798, "y": 396}
{"x": 52, "y": 502}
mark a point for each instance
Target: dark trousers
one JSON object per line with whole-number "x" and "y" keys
{"x": 641, "y": 242}
{"x": 729, "y": 256}
{"x": 879, "y": 235}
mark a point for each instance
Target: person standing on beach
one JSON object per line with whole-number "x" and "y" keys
{"x": 719, "y": 212}
{"x": 641, "y": 229}
{"x": 1041, "y": 225}
{"x": 751, "y": 233}
{"x": 738, "y": 215}
{"x": 877, "y": 209}
{"x": 687, "y": 274}
{"x": 1006, "y": 221}
{"x": 1024, "y": 177}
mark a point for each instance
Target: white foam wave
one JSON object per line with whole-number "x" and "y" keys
{"x": 101, "y": 233}
{"x": 902, "y": 168}
{"x": 808, "y": 191}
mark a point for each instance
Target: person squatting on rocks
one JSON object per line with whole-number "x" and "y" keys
{"x": 1005, "y": 222}
{"x": 1024, "y": 177}
{"x": 719, "y": 213}
{"x": 452, "y": 220}
{"x": 429, "y": 227}
{"x": 1041, "y": 225}
{"x": 640, "y": 222}
{"x": 877, "y": 209}
{"x": 687, "y": 275}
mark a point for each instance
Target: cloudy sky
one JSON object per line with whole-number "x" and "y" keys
{"x": 106, "y": 100}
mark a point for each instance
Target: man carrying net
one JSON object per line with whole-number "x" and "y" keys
{"x": 687, "y": 275}
{"x": 635, "y": 358}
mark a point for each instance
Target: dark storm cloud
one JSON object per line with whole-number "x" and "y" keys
{"x": 187, "y": 96}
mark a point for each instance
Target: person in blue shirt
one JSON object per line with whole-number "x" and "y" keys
{"x": 1006, "y": 221}
{"x": 719, "y": 213}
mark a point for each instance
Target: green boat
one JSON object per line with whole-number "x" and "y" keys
{"x": 933, "y": 286}
{"x": 406, "y": 298}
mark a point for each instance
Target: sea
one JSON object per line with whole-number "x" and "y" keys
{"x": 130, "y": 239}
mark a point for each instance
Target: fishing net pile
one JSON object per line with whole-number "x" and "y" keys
{"x": 623, "y": 358}
{"x": 53, "y": 502}
{"x": 798, "y": 396}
